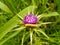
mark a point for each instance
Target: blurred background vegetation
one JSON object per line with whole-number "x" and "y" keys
{"x": 43, "y": 6}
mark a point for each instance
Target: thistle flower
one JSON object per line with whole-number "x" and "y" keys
{"x": 30, "y": 19}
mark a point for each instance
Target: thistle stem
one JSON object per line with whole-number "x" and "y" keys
{"x": 23, "y": 39}
{"x": 30, "y": 37}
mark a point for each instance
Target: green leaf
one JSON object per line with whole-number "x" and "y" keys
{"x": 26, "y": 10}
{"x": 47, "y": 37}
{"x": 11, "y": 36}
{"x": 13, "y": 6}
{"x": 33, "y": 2}
{"x": 26, "y": 37}
{"x": 13, "y": 22}
{"x": 48, "y": 15}
{"x": 8, "y": 26}
{"x": 57, "y": 2}
{"x": 41, "y": 31}
{"x": 43, "y": 7}
{"x": 4, "y": 7}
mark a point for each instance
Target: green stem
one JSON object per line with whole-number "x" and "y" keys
{"x": 23, "y": 38}
{"x": 30, "y": 37}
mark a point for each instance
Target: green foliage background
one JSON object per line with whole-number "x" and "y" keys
{"x": 9, "y": 11}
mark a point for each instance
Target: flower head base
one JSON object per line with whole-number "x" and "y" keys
{"x": 30, "y": 19}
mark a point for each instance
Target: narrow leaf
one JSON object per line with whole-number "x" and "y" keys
{"x": 11, "y": 36}
{"x": 8, "y": 26}
{"x": 4, "y": 7}
{"x": 13, "y": 22}
{"x": 25, "y": 11}
{"x": 48, "y": 15}
{"x": 40, "y": 30}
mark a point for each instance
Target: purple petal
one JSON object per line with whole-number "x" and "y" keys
{"x": 30, "y": 19}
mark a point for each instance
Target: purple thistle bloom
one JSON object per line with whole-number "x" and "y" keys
{"x": 30, "y": 19}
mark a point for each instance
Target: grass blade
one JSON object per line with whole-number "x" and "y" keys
{"x": 8, "y": 26}
{"x": 48, "y": 15}
{"x": 24, "y": 12}
{"x": 4, "y": 7}
{"x": 11, "y": 23}
{"x": 11, "y": 36}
